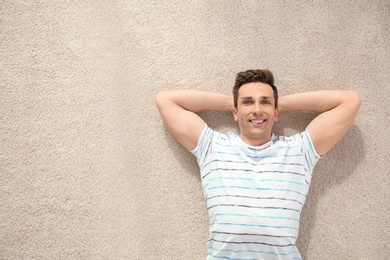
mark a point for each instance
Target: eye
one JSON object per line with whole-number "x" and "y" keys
{"x": 265, "y": 101}
{"x": 247, "y": 102}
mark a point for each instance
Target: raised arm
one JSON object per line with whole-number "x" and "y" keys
{"x": 337, "y": 109}
{"x": 178, "y": 109}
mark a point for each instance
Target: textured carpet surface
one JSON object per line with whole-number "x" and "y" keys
{"x": 88, "y": 170}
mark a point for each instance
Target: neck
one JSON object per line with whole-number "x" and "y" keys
{"x": 256, "y": 141}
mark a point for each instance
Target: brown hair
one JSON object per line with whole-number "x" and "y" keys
{"x": 249, "y": 76}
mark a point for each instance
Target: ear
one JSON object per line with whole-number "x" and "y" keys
{"x": 234, "y": 112}
{"x": 276, "y": 114}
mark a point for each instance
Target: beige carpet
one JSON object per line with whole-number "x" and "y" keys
{"x": 88, "y": 170}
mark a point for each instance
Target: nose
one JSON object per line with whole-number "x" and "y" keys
{"x": 257, "y": 110}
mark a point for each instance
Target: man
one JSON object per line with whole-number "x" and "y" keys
{"x": 255, "y": 184}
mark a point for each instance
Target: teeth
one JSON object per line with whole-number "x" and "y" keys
{"x": 257, "y": 121}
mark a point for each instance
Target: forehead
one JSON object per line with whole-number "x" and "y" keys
{"x": 255, "y": 89}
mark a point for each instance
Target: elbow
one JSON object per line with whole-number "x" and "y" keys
{"x": 353, "y": 100}
{"x": 159, "y": 95}
{"x": 160, "y": 98}
{"x": 354, "y": 96}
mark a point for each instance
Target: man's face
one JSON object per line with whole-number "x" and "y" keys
{"x": 255, "y": 113}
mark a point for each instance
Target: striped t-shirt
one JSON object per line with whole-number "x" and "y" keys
{"x": 254, "y": 194}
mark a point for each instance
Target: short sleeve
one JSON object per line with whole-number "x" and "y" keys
{"x": 309, "y": 153}
{"x": 204, "y": 145}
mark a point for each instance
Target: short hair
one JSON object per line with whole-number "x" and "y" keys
{"x": 249, "y": 76}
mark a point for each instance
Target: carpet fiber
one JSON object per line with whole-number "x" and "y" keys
{"x": 88, "y": 170}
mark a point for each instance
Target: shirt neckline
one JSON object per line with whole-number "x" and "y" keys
{"x": 254, "y": 147}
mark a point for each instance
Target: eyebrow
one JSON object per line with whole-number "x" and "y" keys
{"x": 262, "y": 97}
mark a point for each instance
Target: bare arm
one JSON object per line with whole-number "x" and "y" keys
{"x": 178, "y": 109}
{"x": 337, "y": 109}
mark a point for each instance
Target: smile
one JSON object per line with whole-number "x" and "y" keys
{"x": 257, "y": 121}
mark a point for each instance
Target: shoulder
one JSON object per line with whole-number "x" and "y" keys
{"x": 302, "y": 139}
{"x": 298, "y": 137}
{"x": 214, "y": 135}
{"x": 209, "y": 136}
